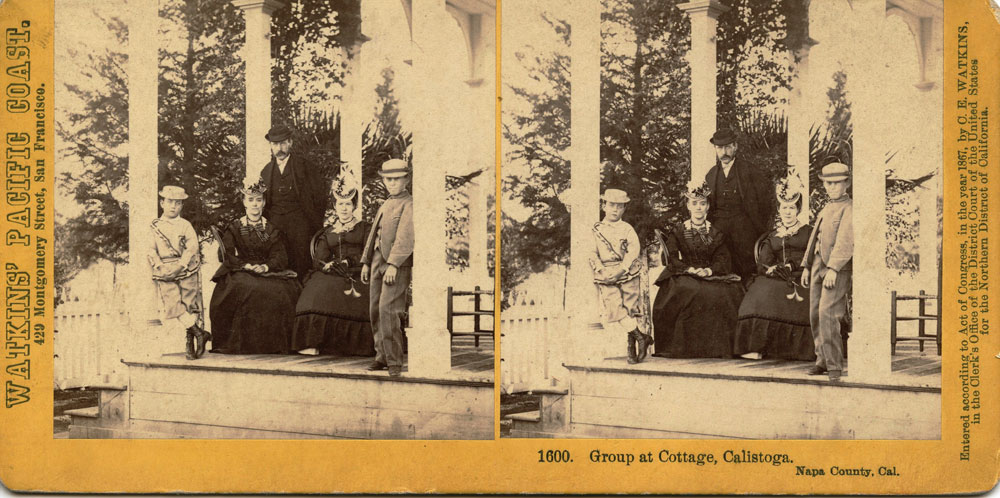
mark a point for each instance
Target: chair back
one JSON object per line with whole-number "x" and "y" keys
{"x": 218, "y": 240}
{"x": 758, "y": 247}
{"x": 664, "y": 255}
{"x": 312, "y": 247}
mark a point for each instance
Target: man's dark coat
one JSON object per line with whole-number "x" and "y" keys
{"x": 755, "y": 191}
{"x": 309, "y": 186}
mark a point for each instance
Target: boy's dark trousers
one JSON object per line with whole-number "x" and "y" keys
{"x": 386, "y": 307}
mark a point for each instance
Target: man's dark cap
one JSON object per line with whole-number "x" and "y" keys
{"x": 723, "y": 137}
{"x": 278, "y": 133}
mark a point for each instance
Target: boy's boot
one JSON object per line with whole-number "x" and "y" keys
{"x": 201, "y": 337}
{"x": 632, "y": 359}
{"x": 642, "y": 341}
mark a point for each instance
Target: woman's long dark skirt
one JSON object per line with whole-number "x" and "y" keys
{"x": 331, "y": 321}
{"x": 253, "y": 314}
{"x": 695, "y": 318}
{"x": 771, "y": 324}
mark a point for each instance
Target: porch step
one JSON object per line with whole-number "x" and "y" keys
{"x": 526, "y": 417}
{"x": 550, "y": 418}
{"x": 291, "y": 397}
{"x": 729, "y": 399}
{"x": 91, "y": 412}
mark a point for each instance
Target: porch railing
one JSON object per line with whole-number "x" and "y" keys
{"x": 530, "y": 356}
{"x": 87, "y": 344}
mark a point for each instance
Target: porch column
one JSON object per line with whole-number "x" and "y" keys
{"x": 927, "y": 241}
{"x": 869, "y": 344}
{"x": 142, "y": 302}
{"x": 585, "y": 179}
{"x": 482, "y": 148}
{"x": 429, "y": 342}
{"x": 477, "y": 233}
{"x": 930, "y": 245}
{"x": 704, "y": 16}
{"x": 351, "y": 121}
{"x": 800, "y": 121}
{"x": 257, "y": 77}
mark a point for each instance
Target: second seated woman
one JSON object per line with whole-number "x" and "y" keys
{"x": 694, "y": 313}
{"x": 774, "y": 316}
{"x": 332, "y": 312}
{"x": 253, "y": 304}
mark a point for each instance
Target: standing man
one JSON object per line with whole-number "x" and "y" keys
{"x": 740, "y": 203}
{"x": 295, "y": 199}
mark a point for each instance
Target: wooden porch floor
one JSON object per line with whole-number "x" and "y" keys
{"x": 910, "y": 369}
{"x": 468, "y": 363}
{"x": 909, "y": 360}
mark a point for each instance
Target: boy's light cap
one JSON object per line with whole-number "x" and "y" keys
{"x": 173, "y": 192}
{"x": 835, "y": 172}
{"x": 394, "y": 168}
{"x": 615, "y": 195}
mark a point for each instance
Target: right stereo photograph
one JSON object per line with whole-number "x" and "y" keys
{"x": 721, "y": 220}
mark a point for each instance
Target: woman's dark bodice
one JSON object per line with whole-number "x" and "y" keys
{"x": 789, "y": 249}
{"x": 689, "y": 248}
{"x": 334, "y": 246}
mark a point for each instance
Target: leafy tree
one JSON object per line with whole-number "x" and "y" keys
{"x": 306, "y": 41}
{"x": 539, "y": 140}
{"x": 96, "y": 136}
{"x": 316, "y": 137}
{"x": 830, "y": 141}
{"x": 383, "y": 139}
{"x": 755, "y": 44}
{"x": 201, "y": 107}
{"x": 645, "y": 109}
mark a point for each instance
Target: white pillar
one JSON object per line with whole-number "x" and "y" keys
{"x": 429, "y": 343}
{"x": 930, "y": 244}
{"x": 145, "y": 338}
{"x": 927, "y": 241}
{"x": 257, "y": 75}
{"x": 585, "y": 340}
{"x": 869, "y": 344}
{"x": 482, "y": 148}
{"x": 799, "y": 124}
{"x": 477, "y": 233}
{"x": 351, "y": 119}
{"x": 702, "y": 59}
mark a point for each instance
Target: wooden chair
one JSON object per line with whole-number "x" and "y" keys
{"x": 922, "y": 317}
{"x": 476, "y": 313}
{"x": 664, "y": 255}
{"x": 758, "y": 247}
{"x": 312, "y": 247}
{"x": 218, "y": 240}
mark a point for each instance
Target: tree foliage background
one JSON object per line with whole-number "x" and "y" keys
{"x": 645, "y": 122}
{"x": 646, "y": 109}
{"x": 201, "y": 118}
{"x": 540, "y": 140}
{"x": 201, "y": 107}
{"x": 96, "y": 135}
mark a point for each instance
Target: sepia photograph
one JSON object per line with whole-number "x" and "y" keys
{"x": 721, "y": 219}
{"x": 274, "y": 219}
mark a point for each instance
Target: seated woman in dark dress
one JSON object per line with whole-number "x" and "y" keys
{"x": 694, "y": 313}
{"x": 331, "y": 316}
{"x": 253, "y": 305}
{"x": 774, "y": 315}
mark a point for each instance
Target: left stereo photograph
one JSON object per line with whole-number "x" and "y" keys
{"x": 275, "y": 219}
